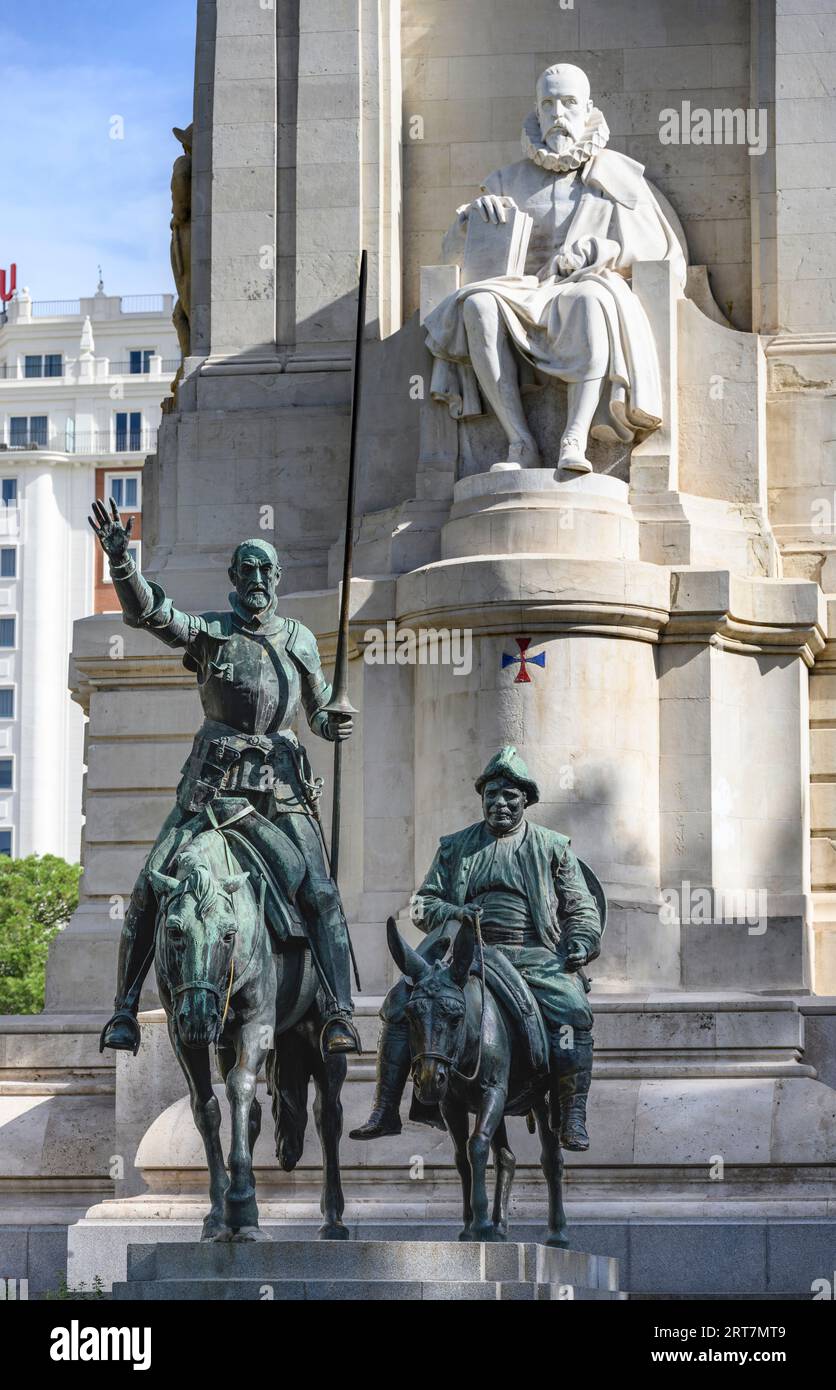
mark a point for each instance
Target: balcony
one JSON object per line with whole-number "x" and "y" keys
{"x": 101, "y": 369}
{"x": 21, "y": 309}
{"x": 92, "y": 444}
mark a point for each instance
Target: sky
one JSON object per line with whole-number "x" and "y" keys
{"x": 72, "y": 197}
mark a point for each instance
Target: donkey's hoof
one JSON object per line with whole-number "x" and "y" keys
{"x": 559, "y": 1240}
{"x": 334, "y": 1230}
{"x": 214, "y": 1227}
{"x": 249, "y": 1233}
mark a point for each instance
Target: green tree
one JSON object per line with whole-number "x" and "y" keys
{"x": 38, "y": 895}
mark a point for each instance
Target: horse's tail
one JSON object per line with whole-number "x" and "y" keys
{"x": 288, "y": 1072}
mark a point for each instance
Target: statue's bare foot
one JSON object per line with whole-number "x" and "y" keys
{"x": 572, "y": 457}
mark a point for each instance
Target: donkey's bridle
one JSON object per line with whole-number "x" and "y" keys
{"x": 451, "y": 1061}
{"x": 199, "y": 984}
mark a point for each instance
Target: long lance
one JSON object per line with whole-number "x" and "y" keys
{"x": 340, "y": 703}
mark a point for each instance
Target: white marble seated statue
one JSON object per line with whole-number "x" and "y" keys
{"x": 572, "y": 314}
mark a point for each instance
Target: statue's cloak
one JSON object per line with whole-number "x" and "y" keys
{"x": 551, "y": 316}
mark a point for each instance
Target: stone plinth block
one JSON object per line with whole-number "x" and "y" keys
{"x": 527, "y": 510}
{"x": 379, "y": 1270}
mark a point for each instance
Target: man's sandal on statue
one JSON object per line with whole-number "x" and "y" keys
{"x": 122, "y": 1033}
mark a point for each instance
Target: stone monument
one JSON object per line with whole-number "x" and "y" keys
{"x": 652, "y": 635}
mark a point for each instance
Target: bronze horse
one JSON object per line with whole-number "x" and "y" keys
{"x": 467, "y": 1060}
{"x": 223, "y": 981}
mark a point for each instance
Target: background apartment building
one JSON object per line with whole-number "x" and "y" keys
{"x": 81, "y": 385}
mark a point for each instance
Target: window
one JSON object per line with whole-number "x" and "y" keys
{"x": 8, "y": 562}
{"x": 26, "y": 431}
{"x": 7, "y": 702}
{"x": 7, "y": 632}
{"x": 9, "y": 491}
{"x": 125, "y": 489}
{"x": 51, "y": 364}
{"x": 6, "y": 843}
{"x": 141, "y": 360}
{"x": 128, "y": 431}
{"x": 6, "y": 774}
{"x": 133, "y": 551}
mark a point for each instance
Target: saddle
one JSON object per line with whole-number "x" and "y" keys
{"x": 261, "y": 849}
{"x": 516, "y": 999}
{"x": 512, "y": 992}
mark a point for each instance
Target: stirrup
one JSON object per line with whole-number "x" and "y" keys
{"x": 345, "y": 1019}
{"x": 120, "y": 1016}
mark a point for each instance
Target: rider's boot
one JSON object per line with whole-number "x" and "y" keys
{"x": 136, "y": 952}
{"x": 392, "y": 1074}
{"x": 328, "y": 936}
{"x": 569, "y": 1094}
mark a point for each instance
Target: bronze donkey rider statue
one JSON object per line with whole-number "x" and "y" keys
{"x": 541, "y": 914}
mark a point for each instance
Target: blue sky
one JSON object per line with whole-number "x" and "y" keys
{"x": 71, "y": 197}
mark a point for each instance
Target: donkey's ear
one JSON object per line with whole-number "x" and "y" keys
{"x": 463, "y": 949}
{"x": 408, "y": 961}
{"x": 162, "y": 884}
{"x": 231, "y": 885}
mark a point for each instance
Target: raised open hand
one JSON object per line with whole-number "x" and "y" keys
{"x": 113, "y": 537}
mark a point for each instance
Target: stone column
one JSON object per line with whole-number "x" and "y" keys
{"x": 793, "y": 75}
{"x": 295, "y": 169}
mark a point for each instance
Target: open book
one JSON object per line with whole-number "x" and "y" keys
{"x": 493, "y": 249}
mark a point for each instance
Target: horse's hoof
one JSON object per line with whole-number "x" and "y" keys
{"x": 334, "y": 1230}
{"x": 249, "y": 1233}
{"x": 288, "y": 1158}
{"x": 466, "y": 1234}
{"x": 492, "y": 1234}
{"x": 558, "y": 1240}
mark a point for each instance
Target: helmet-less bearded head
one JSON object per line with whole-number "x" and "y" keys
{"x": 256, "y": 573}
{"x": 565, "y": 129}
{"x": 564, "y": 105}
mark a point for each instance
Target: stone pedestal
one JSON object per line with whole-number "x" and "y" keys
{"x": 366, "y": 1270}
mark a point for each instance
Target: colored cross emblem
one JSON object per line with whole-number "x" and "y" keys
{"x": 522, "y": 677}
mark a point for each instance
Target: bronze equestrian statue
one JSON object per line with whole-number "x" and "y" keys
{"x": 235, "y": 903}
{"x": 254, "y": 670}
{"x": 508, "y": 897}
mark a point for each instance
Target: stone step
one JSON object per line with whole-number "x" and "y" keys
{"x": 356, "y": 1290}
{"x": 322, "y": 1270}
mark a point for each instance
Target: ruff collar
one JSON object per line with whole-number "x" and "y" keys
{"x": 594, "y": 138}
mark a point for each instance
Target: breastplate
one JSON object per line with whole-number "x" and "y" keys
{"x": 251, "y": 684}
